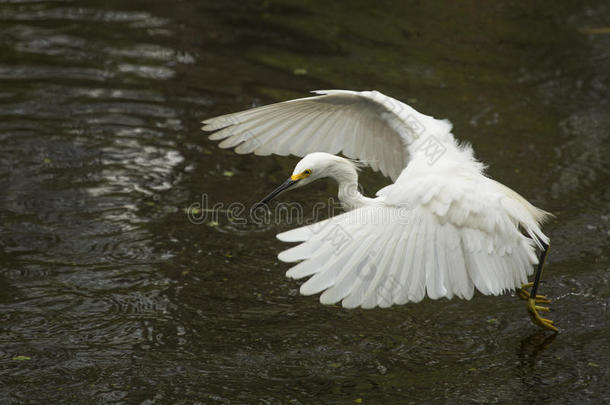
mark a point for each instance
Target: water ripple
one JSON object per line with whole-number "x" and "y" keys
{"x": 108, "y": 293}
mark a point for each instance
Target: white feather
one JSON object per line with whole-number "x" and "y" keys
{"x": 441, "y": 229}
{"x": 364, "y": 118}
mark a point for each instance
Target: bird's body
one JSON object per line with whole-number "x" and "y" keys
{"x": 442, "y": 228}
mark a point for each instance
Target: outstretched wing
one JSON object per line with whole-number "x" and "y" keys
{"x": 368, "y": 126}
{"x": 445, "y": 239}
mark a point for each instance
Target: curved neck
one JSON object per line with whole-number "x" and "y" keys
{"x": 346, "y": 176}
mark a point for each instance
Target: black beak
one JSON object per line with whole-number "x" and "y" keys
{"x": 285, "y": 185}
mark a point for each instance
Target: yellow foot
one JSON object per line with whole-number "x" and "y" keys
{"x": 525, "y": 295}
{"x": 533, "y": 309}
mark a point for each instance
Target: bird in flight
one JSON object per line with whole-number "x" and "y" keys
{"x": 441, "y": 229}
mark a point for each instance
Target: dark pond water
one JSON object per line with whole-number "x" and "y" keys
{"x": 108, "y": 293}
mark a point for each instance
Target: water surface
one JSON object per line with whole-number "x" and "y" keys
{"x": 108, "y": 293}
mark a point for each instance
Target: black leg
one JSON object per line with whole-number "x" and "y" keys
{"x": 541, "y": 260}
{"x": 534, "y": 298}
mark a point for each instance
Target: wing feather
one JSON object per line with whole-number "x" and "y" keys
{"x": 407, "y": 265}
{"x": 344, "y": 282}
{"x": 442, "y": 242}
{"x": 367, "y": 125}
{"x": 348, "y": 257}
{"x": 443, "y": 228}
{"x": 360, "y": 287}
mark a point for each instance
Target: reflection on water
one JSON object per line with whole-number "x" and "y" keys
{"x": 108, "y": 291}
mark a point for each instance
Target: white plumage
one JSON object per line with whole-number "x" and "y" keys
{"x": 441, "y": 229}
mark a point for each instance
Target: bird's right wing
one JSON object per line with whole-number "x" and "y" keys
{"x": 368, "y": 126}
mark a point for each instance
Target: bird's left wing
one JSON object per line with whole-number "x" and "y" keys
{"x": 368, "y": 126}
{"x": 444, "y": 240}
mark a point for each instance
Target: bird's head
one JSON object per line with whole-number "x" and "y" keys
{"x": 312, "y": 167}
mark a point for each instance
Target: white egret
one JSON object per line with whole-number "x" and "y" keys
{"x": 442, "y": 228}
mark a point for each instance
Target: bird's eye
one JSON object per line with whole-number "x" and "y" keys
{"x": 307, "y": 172}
